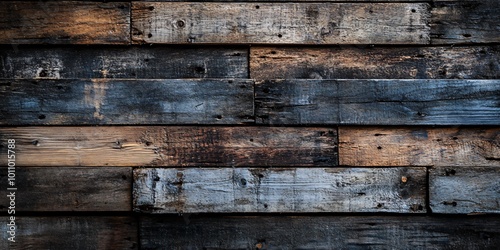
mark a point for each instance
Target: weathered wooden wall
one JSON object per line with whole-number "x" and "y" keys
{"x": 169, "y": 124}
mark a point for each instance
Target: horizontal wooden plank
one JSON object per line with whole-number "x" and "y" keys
{"x": 419, "y": 146}
{"x": 111, "y": 101}
{"x": 52, "y": 22}
{"x": 319, "y": 232}
{"x": 71, "y": 232}
{"x": 456, "y": 22}
{"x": 465, "y": 189}
{"x": 146, "y": 62}
{"x": 171, "y": 146}
{"x": 284, "y": 23}
{"x": 378, "y": 102}
{"x": 283, "y": 190}
{"x": 69, "y": 189}
{"x": 372, "y": 62}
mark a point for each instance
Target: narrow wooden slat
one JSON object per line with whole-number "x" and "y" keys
{"x": 356, "y": 62}
{"x": 171, "y": 146}
{"x": 283, "y": 190}
{"x": 110, "y": 101}
{"x": 378, "y": 102}
{"x": 72, "y": 232}
{"x": 465, "y": 190}
{"x": 419, "y": 146}
{"x": 55, "y": 22}
{"x": 284, "y": 23}
{"x": 70, "y": 189}
{"x": 319, "y": 232}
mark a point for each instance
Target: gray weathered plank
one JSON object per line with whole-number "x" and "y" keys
{"x": 112, "y": 101}
{"x": 70, "y": 189}
{"x": 378, "y": 102}
{"x": 419, "y": 146}
{"x": 283, "y": 190}
{"x": 72, "y": 232}
{"x": 374, "y": 62}
{"x": 464, "y": 190}
{"x": 171, "y": 146}
{"x": 284, "y": 23}
{"x": 53, "y": 22}
{"x": 320, "y": 232}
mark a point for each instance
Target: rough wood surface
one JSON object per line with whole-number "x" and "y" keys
{"x": 284, "y": 23}
{"x": 150, "y": 62}
{"x": 367, "y": 62}
{"x": 282, "y": 190}
{"x": 111, "y": 101}
{"x": 464, "y": 190}
{"x": 419, "y": 146}
{"x": 53, "y": 22}
{"x": 378, "y": 102}
{"x": 72, "y": 232}
{"x": 70, "y": 189}
{"x": 171, "y": 146}
{"x": 320, "y": 232}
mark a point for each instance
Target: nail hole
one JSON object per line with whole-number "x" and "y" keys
{"x": 157, "y": 178}
{"x": 218, "y": 117}
{"x": 265, "y": 205}
{"x": 280, "y": 36}
{"x": 449, "y": 172}
{"x": 260, "y": 176}
{"x": 59, "y": 87}
{"x": 42, "y": 73}
{"x": 41, "y": 117}
{"x": 413, "y": 10}
{"x": 243, "y": 182}
{"x": 273, "y": 52}
{"x": 379, "y": 205}
{"x": 35, "y": 142}
{"x": 257, "y": 6}
{"x": 455, "y": 138}
{"x": 420, "y": 114}
{"x": 181, "y": 24}
{"x": 151, "y": 8}
{"x": 150, "y": 35}
{"x": 379, "y": 147}
{"x": 467, "y": 35}
{"x": 199, "y": 70}
{"x": 146, "y": 60}
{"x": 124, "y": 177}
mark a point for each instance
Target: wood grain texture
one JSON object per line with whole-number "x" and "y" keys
{"x": 171, "y": 146}
{"x": 464, "y": 190}
{"x": 279, "y": 190}
{"x": 378, "y": 102}
{"x": 109, "y": 101}
{"x": 419, "y": 146}
{"x": 367, "y": 62}
{"x": 320, "y": 232}
{"x": 465, "y": 22}
{"x": 53, "y": 22}
{"x": 147, "y": 62}
{"x": 70, "y": 189}
{"x": 72, "y": 232}
{"x": 284, "y": 23}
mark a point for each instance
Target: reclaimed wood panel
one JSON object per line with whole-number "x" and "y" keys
{"x": 72, "y": 232}
{"x": 464, "y": 190}
{"x": 147, "y": 62}
{"x": 372, "y": 62}
{"x": 419, "y": 146}
{"x": 378, "y": 102}
{"x": 319, "y": 232}
{"x": 70, "y": 189}
{"x": 111, "y": 101}
{"x": 279, "y": 190}
{"x": 52, "y": 22}
{"x": 284, "y": 23}
{"x": 171, "y": 146}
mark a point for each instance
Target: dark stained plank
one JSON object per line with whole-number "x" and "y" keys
{"x": 70, "y": 189}
{"x": 320, "y": 232}
{"x": 279, "y": 190}
{"x": 53, "y": 22}
{"x": 73, "y": 232}
{"x": 464, "y": 190}
{"x": 112, "y": 101}
{"x": 150, "y": 62}
{"x": 284, "y": 23}
{"x": 372, "y": 62}
{"x": 171, "y": 146}
{"x": 419, "y": 146}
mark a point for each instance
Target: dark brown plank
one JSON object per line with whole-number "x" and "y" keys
{"x": 112, "y": 101}
{"x": 320, "y": 232}
{"x": 465, "y": 190}
{"x": 419, "y": 146}
{"x": 70, "y": 189}
{"x": 372, "y": 62}
{"x": 378, "y": 102}
{"x": 54, "y": 22}
{"x": 171, "y": 146}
